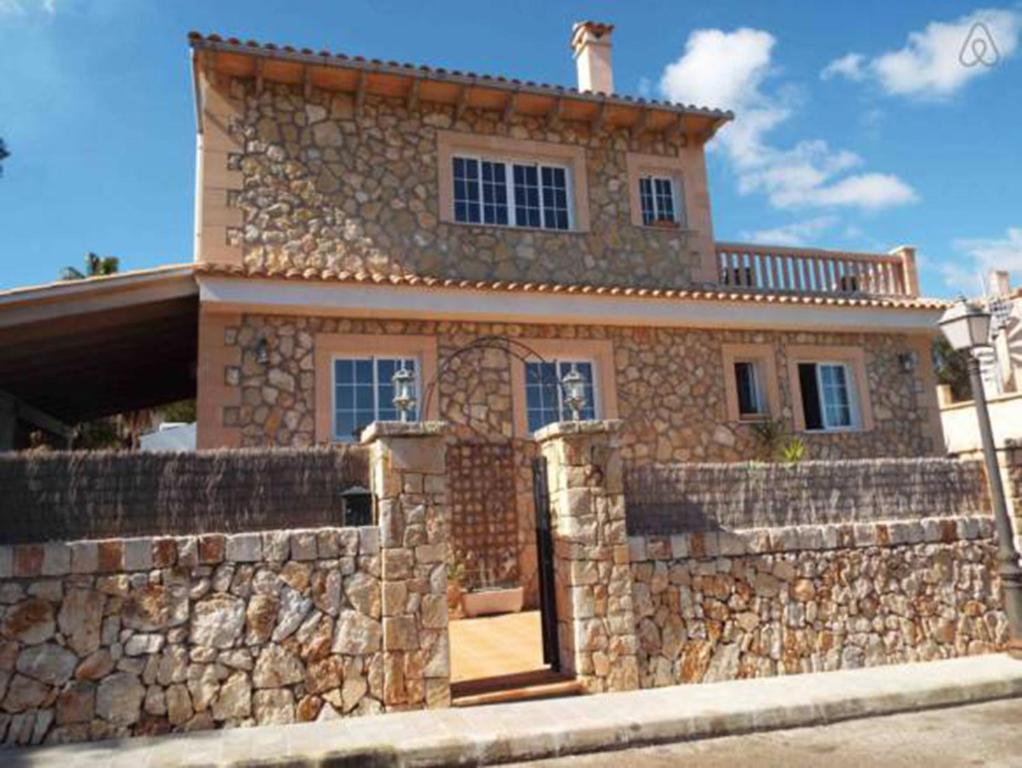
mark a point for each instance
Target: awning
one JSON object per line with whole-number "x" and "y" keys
{"x": 82, "y": 349}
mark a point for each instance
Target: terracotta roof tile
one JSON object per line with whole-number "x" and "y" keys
{"x": 198, "y": 40}
{"x": 686, "y": 294}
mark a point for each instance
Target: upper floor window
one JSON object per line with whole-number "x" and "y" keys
{"x": 364, "y": 392}
{"x": 656, "y": 196}
{"x": 544, "y": 394}
{"x": 513, "y": 194}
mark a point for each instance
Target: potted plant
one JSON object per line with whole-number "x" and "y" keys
{"x": 498, "y": 591}
{"x": 455, "y": 580}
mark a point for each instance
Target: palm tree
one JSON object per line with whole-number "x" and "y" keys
{"x": 95, "y": 266}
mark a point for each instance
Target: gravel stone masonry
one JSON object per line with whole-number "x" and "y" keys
{"x": 773, "y": 601}
{"x": 330, "y": 186}
{"x": 243, "y": 629}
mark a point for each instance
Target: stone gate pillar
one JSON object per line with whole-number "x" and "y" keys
{"x": 592, "y": 571}
{"x": 409, "y": 483}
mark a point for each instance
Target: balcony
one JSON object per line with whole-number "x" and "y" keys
{"x": 806, "y": 270}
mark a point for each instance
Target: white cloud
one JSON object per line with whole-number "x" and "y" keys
{"x": 940, "y": 60}
{"x": 796, "y": 233}
{"x": 985, "y": 254}
{"x": 730, "y": 69}
{"x": 849, "y": 65}
{"x": 24, "y": 7}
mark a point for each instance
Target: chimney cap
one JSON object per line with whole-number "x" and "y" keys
{"x": 597, "y": 29}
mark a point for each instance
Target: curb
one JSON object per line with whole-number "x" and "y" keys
{"x": 559, "y": 727}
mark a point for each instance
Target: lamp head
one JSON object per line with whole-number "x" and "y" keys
{"x": 966, "y": 325}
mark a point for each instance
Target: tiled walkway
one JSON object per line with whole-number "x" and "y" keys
{"x": 492, "y": 646}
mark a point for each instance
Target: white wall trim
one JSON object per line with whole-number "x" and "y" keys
{"x": 417, "y": 302}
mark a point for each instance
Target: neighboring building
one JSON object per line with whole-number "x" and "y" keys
{"x": 354, "y": 216}
{"x": 1001, "y": 364}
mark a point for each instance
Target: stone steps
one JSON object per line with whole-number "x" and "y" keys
{"x": 507, "y": 689}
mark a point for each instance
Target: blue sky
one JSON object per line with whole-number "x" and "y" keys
{"x": 857, "y": 126}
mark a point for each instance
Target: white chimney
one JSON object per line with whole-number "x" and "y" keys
{"x": 590, "y": 42}
{"x": 1000, "y": 282}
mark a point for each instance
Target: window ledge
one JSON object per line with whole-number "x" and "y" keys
{"x": 510, "y": 229}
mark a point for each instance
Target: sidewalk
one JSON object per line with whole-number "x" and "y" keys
{"x": 561, "y": 726}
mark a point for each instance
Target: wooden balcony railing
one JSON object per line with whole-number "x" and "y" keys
{"x": 803, "y": 270}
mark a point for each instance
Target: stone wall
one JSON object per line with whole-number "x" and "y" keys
{"x": 595, "y": 620}
{"x": 138, "y": 636}
{"x": 684, "y": 498}
{"x": 326, "y": 185}
{"x": 759, "y": 602}
{"x": 119, "y": 637}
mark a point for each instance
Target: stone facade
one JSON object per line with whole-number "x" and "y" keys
{"x": 119, "y": 637}
{"x": 326, "y": 184}
{"x": 670, "y": 392}
{"x": 762, "y": 602}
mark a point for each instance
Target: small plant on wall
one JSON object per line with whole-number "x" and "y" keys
{"x": 776, "y": 443}
{"x": 794, "y": 451}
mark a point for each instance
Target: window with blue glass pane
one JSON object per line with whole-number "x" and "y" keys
{"x": 466, "y": 190}
{"x": 555, "y": 198}
{"x": 364, "y": 393}
{"x": 544, "y": 395}
{"x": 656, "y": 197}
{"x": 837, "y": 406}
{"x": 494, "y": 192}
{"x": 646, "y": 199}
{"x": 526, "y": 186}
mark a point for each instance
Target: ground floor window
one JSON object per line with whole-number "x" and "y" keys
{"x": 828, "y": 396}
{"x": 748, "y": 382}
{"x": 364, "y": 392}
{"x": 544, "y": 395}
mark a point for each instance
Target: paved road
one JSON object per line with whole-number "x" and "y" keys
{"x": 987, "y": 735}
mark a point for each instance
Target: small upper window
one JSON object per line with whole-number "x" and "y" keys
{"x": 828, "y": 396}
{"x": 656, "y": 194}
{"x": 364, "y": 393}
{"x": 511, "y": 194}
{"x": 544, "y": 394}
{"x": 751, "y": 402}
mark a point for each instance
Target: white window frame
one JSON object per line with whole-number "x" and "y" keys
{"x": 558, "y": 362}
{"x": 854, "y": 412}
{"x": 653, "y": 179}
{"x": 512, "y": 214}
{"x": 762, "y": 407}
{"x": 376, "y": 387}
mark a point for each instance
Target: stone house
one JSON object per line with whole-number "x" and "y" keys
{"x": 357, "y": 216}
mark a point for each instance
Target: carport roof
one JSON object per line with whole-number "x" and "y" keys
{"x": 82, "y": 349}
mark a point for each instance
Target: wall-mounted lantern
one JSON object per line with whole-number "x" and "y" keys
{"x": 404, "y": 392}
{"x": 574, "y": 392}
{"x": 262, "y": 351}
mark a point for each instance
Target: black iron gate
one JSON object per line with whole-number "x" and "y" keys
{"x": 545, "y": 550}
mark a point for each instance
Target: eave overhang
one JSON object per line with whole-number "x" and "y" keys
{"x": 358, "y": 75}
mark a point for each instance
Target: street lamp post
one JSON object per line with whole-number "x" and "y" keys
{"x": 967, "y": 327}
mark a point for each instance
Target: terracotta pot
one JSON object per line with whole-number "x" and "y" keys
{"x": 488, "y": 602}
{"x": 454, "y": 596}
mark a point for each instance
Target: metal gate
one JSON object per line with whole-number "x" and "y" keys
{"x": 545, "y": 550}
